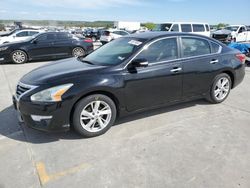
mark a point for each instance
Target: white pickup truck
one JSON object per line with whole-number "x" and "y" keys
{"x": 235, "y": 33}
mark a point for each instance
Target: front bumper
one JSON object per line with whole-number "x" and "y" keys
{"x": 43, "y": 116}
{"x": 4, "y": 57}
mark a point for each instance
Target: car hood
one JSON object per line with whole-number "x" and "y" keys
{"x": 222, "y": 32}
{"x": 59, "y": 71}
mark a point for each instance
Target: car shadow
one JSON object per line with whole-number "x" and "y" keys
{"x": 35, "y": 61}
{"x": 10, "y": 127}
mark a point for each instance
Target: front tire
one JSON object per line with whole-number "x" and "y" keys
{"x": 94, "y": 115}
{"x": 220, "y": 89}
{"x": 19, "y": 57}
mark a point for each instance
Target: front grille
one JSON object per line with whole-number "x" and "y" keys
{"x": 219, "y": 37}
{"x": 21, "y": 89}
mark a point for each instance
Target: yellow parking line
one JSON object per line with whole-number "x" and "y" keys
{"x": 45, "y": 177}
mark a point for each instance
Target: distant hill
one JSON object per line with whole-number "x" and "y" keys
{"x": 61, "y": 23}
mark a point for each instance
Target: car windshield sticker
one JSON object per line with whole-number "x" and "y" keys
{"x": 135, "y": 42}
{"x": 121, "y": 58}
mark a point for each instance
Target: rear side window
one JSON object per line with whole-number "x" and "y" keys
{"x": 186, "y": 28}
{"x": 194, "y": 47}
{"x": 31, "y": 33}
{"x": 207, "y": 27}
{"x": 215, "y": 47}
{"x": 22, "y": 34}
{"x": 198, "y": 28}
{"x": 62, "y": 36}
{"x": 175, "y": 28}
{"x": 162, "y": 50}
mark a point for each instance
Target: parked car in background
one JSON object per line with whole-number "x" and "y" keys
{"x": 19, "y": 36}
{"x": 110, "y": 35}
{"x": 94, "y": 35}
{"x": 130, "y": 74}
{"x": 235, "y": 33}
{"x": 50, "y": 45}
{"x": 189, "y": 27}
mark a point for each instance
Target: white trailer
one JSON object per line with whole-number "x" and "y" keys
{"x": 130, "y": 26}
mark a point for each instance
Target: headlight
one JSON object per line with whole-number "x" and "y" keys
{"x": 53, "y": 94}
{"x": 4, "y": 48}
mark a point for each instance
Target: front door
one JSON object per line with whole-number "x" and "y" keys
{"x": 158, "y": 83}
{"x": 242, "y": 34}
{"x": 43, "y": 46}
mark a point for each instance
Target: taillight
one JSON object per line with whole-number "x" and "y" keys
{"x": 88, "y": 40}
{"x": 241, "y": 57}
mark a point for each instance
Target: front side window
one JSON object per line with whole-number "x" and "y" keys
{"x": 242, "y": 29}
{"x": 207, "y": 28}
{"x": 198, "y": 28}
{"x": 186, "y": 28}
{"x": 115, "y": 52}
{"x": 22, "y": 34}
{"x": 194, "y": 47}
{"x": 46, "y": 37}
{"x": 162, "y": 50}
{"x": 175, "y": 28}
{"x": 162, "y": 27}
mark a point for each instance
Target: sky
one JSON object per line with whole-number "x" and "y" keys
{"x": 157, "y": 11}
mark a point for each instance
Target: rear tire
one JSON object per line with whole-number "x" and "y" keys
{"x": 19, "y": 57}
{"x": 94, "y": 115}
{"x": 220, "y": 89}
{"x": 78, "y": 52}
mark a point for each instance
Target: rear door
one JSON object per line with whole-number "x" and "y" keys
{"x": 43, "y": 46}
{"x": 160, "y": 82}
{"x": 63, "y": 45}
{"x": 198, "y": 59}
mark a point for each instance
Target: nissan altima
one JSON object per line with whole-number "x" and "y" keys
{"x": 130, "y": 74}
{"x": 49, "y": 45}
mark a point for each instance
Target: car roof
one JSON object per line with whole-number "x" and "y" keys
{"x": 158, "y": 34}
{"x": 184, "y": 23}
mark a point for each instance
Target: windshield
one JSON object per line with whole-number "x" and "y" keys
{"x": 232, "y": 28}
{"x": 162, "y": 27}
{"x": 114, "y": 52}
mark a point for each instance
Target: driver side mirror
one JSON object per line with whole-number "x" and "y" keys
{"x": 139, "y": 63}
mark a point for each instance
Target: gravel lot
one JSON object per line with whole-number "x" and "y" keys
{"x": 194, "y": 144}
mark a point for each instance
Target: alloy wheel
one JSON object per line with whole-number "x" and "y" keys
{"x": 222, "y": 88}
{"x": 95, "y": 116}
{"x": 78, "y": 52}
{"x": 19, "y": 57}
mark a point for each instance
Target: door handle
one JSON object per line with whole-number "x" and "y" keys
{"x": 175, "y": 70}
{"x": 214, "y": 61}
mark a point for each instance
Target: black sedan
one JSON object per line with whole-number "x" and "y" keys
{"x": 130, "y": 74}
{"x": 49, "y": 45}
